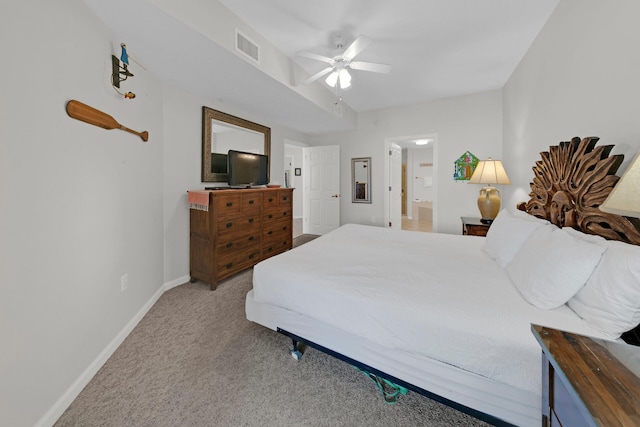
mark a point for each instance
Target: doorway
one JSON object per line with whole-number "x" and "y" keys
{"x": 418, "y": 175}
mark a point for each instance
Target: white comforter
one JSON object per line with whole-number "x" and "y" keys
{"x": 432, "y": 294}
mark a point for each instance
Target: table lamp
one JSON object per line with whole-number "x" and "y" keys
{"x": 489, "y": 172}
{"x": 624, "y": 199}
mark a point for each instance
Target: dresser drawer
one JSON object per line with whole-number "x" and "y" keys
{"x": 285, "y": 198}
{"x": 232, "y": 263}
{"x": 276, "y": 230}
{"x": 251, "y": 202}
{"x": 235, "y": 227}
{"x": 237, "y": 244}
{"x": 227, "y": 204}
{"x": 276, "y": 246}
{"x": 276, "y": 215}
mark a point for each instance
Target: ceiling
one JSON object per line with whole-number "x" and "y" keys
{"x": 436, "y": 49}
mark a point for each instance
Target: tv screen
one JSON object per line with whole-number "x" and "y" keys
{"x": 247, "y": 169}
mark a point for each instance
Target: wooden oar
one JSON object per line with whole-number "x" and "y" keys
{"x": 80, "y": 111}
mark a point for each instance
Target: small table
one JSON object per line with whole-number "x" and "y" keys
{"x": 474, "y": 227}
{"x": 588, "y": 381}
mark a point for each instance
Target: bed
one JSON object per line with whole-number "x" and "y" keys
{"x": 450, "y": 316}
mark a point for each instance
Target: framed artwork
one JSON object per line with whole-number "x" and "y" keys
{"x": 298, "y": 172}
{"x": 464, "y": 167}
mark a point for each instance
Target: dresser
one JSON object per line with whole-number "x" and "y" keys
{"x": 587, "y": 381}
{"x": 239, "y": 229}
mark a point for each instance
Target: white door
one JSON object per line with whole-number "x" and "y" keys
{"x": 321, "y": 175}
{"x": 395, "y": 186}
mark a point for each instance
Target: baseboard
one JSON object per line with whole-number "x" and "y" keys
{"x": 177, "y": 282}
{"x": 61, "y": 405}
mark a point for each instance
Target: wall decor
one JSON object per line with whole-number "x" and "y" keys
{"x": 87, "y": 114}
{"x": 120, "y": 73}
{"x": 361, "y": 180}
{"x": 464, "y": 167}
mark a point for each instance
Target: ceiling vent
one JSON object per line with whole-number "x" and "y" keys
{"x": 247, "y": 47}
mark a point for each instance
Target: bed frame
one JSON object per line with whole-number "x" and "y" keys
{"x": 570, "y": 182}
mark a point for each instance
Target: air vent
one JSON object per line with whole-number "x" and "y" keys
{"x": 247, "y": 47}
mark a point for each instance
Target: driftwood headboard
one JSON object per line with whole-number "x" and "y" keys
{"x": 570, "y": 183}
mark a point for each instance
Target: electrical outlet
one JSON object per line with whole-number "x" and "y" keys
{"x": 124, "y": 282}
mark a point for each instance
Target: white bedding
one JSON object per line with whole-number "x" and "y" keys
{"x": 432, "y": 295}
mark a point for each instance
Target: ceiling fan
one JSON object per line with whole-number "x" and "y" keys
{"x": 339, "y": 65}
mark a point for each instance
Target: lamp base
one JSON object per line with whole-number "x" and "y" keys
{"x": 489, "y": 204}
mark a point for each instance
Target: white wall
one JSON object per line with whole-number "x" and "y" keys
{"x": 472, "y": 122}
{"x": 579, "y": 78}
{"x": 81, "y": 205}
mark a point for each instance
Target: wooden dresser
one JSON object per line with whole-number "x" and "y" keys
{"x": 240, "y": 229}
{"x": 587, "y": 381}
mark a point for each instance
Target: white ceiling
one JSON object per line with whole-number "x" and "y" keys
{"x": 436, "y": 49}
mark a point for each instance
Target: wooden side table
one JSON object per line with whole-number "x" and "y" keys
{"x": 588, "y": 381}
{"x": 474, "y": 227}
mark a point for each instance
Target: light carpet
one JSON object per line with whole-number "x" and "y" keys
{"x": 195, "y": 360}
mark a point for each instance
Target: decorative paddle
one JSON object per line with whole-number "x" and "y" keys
{"x": 85, "y": 113}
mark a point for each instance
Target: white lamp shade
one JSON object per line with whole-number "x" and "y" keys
{"x": 332, "y": 79}
{"x": 624, "y": 199}
{"x": 489, "y": 172}
{"x": 345, "y": 79}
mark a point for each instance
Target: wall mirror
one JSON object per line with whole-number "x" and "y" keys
{"x": 361, "y": 180}
{"x": 222, "y": 132}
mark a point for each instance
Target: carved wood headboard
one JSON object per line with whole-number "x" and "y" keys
{"x": 571, "y": 181}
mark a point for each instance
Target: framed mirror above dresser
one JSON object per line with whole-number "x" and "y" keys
{"x": 222, "y": 132}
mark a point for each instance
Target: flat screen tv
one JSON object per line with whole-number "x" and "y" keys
{"x": 247, "y": 169}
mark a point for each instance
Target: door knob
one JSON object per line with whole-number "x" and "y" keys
{"x": 336, "y": 195}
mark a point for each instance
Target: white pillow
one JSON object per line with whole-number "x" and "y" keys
{"x": 552, "y": 266}
{"x": 610, "y": 301}
{"x": 506, "y": 236}
{"x": 521, "y": 214}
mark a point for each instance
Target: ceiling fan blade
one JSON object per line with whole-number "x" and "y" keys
{"x": 316, "y": 57}
{"x": 317, "y": 75}
{"x": 356, "y": 47}
{"x": 370, "y": 66}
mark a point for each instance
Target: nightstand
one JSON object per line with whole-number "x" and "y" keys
{"x": 588, "y": 381}
{"x": 473, "y": 226}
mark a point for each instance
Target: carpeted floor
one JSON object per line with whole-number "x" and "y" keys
{"x": 194, "y": 360}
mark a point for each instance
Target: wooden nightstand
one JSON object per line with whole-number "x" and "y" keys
{"x": 588, "y": 381}
{"x": 473, "y": 226}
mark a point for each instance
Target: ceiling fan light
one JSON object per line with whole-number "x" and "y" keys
{"x": 332, "y": 79}
{"x": 345, "y": 79}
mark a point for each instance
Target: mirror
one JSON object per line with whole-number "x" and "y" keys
{"x": 222, "y": 132}
{"x": 361, "y": 180}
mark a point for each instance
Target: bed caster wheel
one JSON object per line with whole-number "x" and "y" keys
{"x": 295, "y": 354}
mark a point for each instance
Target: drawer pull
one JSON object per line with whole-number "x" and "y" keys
{"x": 270, "y": 216}
{"x": 229, "y": 244}
{"x": 285, "y": 213}
{"x": 270, "y": 249}
{"x": 284, "y": 198}
{"x": 251, "y": 238}
{"x": 229, "y": 224}
{"x": 250, "y": 220}
{"x": 270, "y": 199}
{"x": 229, "y": 204}
{"x": 251, "y": 256}
{"x": 250, "y": 202}
{"x": 284, "y": 228}
{"x": 270, "y": 232}
{"x": 229, "y": 265}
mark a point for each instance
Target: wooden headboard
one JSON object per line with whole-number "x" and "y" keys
{"x": 571, "y": 181}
